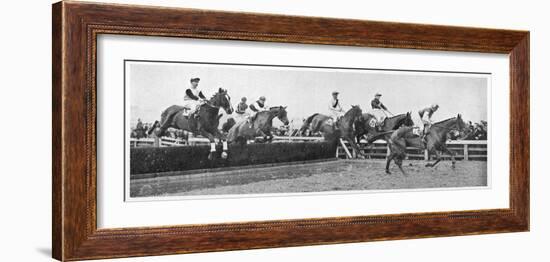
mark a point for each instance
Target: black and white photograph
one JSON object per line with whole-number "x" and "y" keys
{"x": 217, "y": 129}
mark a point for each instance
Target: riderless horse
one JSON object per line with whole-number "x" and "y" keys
{"x": 258, "y": 125}
{"x": 331, "y": 131}
{"x": 435, "y": 142}
{"x": 206, "y": 124}
{"x": 366, "y": 126}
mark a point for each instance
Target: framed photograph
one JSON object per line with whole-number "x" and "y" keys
{"x": 183, "y": 130}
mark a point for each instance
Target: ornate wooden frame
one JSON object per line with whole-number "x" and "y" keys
{"x": 76, "y": 26}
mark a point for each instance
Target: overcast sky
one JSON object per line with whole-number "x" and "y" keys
{"x": 154, "y": 86}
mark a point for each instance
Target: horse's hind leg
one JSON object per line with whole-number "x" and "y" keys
{"x": 453, "y": 161}
{"x": 388, "y": 161}
{"x": 399, "y": 162}
{"x": 438, "y": 157}
{"x": 354, "y": 147}
{"x": 223, "y": 141}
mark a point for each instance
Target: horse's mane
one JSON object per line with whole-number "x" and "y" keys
{"x": 392, "y": 117}
{"x": 214, "y": 95}
{"x": 400, "y": 122}
{"x": 442, "y": 121}
{"x": 270, "y": 111}
{"x": 218, "y": 93}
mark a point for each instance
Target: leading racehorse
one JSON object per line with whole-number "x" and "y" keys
{"x": 206, "y": 124}
{"x": 343, "y": 128}
{"x": 258, "y": 125}
{"x": 435, "y": 142}
{"x": 366, "y": 126}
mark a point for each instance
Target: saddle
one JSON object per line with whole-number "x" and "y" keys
{"x": 185, "y": 112}
{"x": 380, "y": 124}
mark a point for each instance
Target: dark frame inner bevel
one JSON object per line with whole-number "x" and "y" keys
{"x": 76, "y": 26}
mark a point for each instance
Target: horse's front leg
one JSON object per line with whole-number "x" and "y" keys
{"x": 399, "y": 162}
{"x": 438, "y": 159}
{"x": 388, "y": 161}
{"x": 453, "y": 161}
{"x": 212, "y": 140}
{"x": 269, "y": 137}
{"x": 223, "y": 140}
{"x": 263, "y": 135}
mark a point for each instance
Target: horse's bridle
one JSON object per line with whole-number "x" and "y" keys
{"x": 208, "y": 103}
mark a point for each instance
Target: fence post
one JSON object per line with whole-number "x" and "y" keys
{"x": 345, "y": 148}
{"x": 466, "y": 152}
{"x": 426, "y": 156}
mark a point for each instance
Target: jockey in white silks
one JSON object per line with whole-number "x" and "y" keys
{"x": 257, "y": 107}
{"x": 378, "y": 110}
{"x": 193, "y": 97}
{"x": 426, "y": 117}
{"x": 241, "y": 113}
{"x": 335, "y": 109}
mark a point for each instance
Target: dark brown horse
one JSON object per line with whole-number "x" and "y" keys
{"x": 319, "y": 123}
{"x": 331, "y": 131}
{"x": 258, "y": 125}
{"x": 435, "y": 142}
{"x": 366, "y": 126}
{"x": 206, "y": 124}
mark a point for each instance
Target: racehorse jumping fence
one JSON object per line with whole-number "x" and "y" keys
{"x": 463, "y": 149}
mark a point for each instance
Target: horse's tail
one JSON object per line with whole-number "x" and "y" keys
{"x": 152, "y": 127}
{"x": 166, "y": 118}
{"x": 307, "y": 122}
{"x": 310, "y": 118}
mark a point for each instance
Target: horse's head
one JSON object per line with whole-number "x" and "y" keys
{"x": 408, "y": 120}
{"x": 460, "y": 125}
{"x": 280, "y": 113}
{"x": 222, "y": 99}
{"x": 354, "y": 114}
{"x": 403, "y": 120}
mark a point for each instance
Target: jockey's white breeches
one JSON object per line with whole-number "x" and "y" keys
{"x": 426, "y": 122}
{"x": 240, "y": 117}
{"x": 335, "y": 114}
{"x": 192, "y": 105}
{"x": 379, "y": 114}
